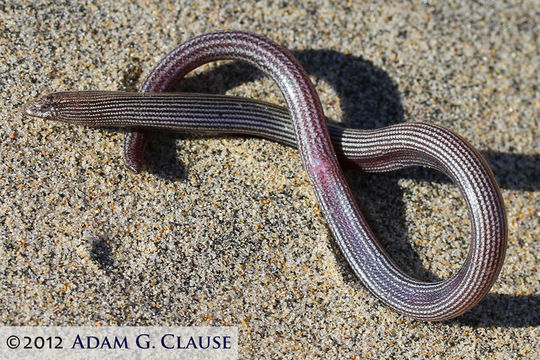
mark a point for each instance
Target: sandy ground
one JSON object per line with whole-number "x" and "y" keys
{"x": 226, "y": 231}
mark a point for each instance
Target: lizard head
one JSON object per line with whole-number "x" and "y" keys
{"x": 45, "y": 107}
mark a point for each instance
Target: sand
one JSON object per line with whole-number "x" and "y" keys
{"x": 226, "y": 230}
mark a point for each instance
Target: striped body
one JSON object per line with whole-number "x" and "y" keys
{"x": 383, "y": 149}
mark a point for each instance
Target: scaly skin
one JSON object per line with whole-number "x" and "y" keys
{"x": 384, "y": 149}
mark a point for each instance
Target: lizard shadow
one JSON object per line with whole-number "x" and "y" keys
{"x": 369, "y": 99}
